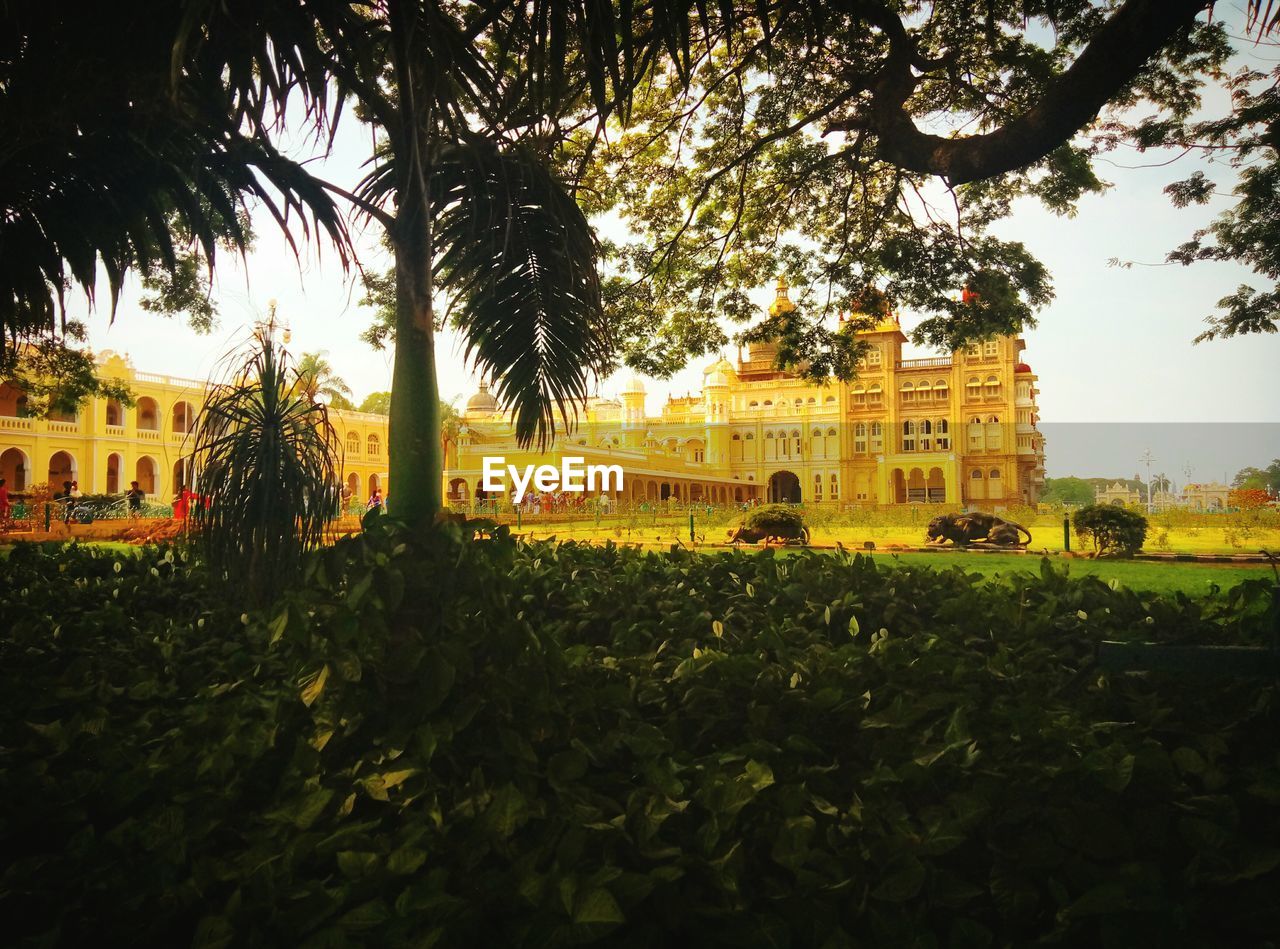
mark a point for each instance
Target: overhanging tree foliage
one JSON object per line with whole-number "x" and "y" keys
{"x": 866, "y": 148}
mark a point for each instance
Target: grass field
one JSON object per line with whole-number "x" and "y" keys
{"x": 1190, "y": 578}
{"x": 1046, "y": 536}
{"x": 1194, "y": 579}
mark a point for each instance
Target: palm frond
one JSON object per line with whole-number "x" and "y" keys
{"x": 119, "y": 156}
{"x": 518, "y": 260}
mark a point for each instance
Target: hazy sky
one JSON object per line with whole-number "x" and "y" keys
{"x": 1115, "y": 345}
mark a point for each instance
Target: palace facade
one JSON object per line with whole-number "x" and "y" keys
{"x": 958, "y": 429}
{"x": 106, "y": 444}
{"x": 955, "y": 430}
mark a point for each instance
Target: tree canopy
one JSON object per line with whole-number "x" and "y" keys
{"x": 867, "y": 148}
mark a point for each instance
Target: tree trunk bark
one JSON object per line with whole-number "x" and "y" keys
{"x": 417, "y": 461}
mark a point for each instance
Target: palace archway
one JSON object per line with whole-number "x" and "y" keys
{"x": 784, "y": 487}
{"x": 15, "y": 468}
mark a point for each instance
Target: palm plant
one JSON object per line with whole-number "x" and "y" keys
{"x": 316, "y": 376}
{"x": 268, "y": 470}
{"x": 450, "y": 426}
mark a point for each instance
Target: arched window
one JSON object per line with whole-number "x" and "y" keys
{"x": 737, "y": 437}
{"x": 373, "y": 446}
{"x": 973, "y": 388}
{"x": 995, "y": 436}
{"x": 993, "y": 387}
{"x": 925, "y": 430}
{"x": 877, "y": 436}
{"x": 860, "y": 438}
{"x": 817, "y": 487}
{"x": 812, "y": 401}
{"x": 751, "y": 436}
{"x": 799, "y": 403}
{"x": 834, "y": 494}
{"x": 183, "y": 418}
{"x": 148, "y": 414}
{"x": 940, "y": 391}
{"x": 115, "y": 414}
{"x": 768, "y": 434}
{"x": 873, "y": 394}
{"x": 908, "y": 392}
{"x": 977, "y": 439}
{"x": 859, "y": 395}
{"x": 829, "y": 400}
{"x": 817, "y": 433}
{"x": 942, "y": 434}
{"x": 753, "y": 404}
{"x": 995, "y": 474}
{"x": 768, "y": 403}
{"x": 795, "y": 442}
{"x": 908, "y": 435}
{"x": 353, "y": 443}
{"x": 976, "y": 474}
{"x": 924, "y": 392}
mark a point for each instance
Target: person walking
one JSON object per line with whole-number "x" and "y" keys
{"x": 65, "y": 499}
{"x": 134, "y": 496}
{"x": 180, "y": 504}
{"x": 375, "y": 501}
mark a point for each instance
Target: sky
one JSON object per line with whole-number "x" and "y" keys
{"x": 1114, "y": 345}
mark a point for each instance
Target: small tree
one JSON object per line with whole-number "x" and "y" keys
{"x": 267, "y": 466}
{"x": 1112, "y": 529}
{"x": 775, "y": 517}
{"x": 1248, "y": 499}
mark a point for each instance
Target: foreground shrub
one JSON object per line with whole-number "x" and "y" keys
{"x": 786, "y": 521}
{"x": 268, "y": 473}
{"x": 1112, "y": 529}
{"x": 567, "y": 744}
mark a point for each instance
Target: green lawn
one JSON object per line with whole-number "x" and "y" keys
{"x": 1190, "y": 578}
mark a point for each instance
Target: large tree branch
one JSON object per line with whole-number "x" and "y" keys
{"x": 1133, "y": 35}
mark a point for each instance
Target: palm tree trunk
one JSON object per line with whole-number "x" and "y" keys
{"x": 417, "y": 463}
{"x": 417, "y": 460}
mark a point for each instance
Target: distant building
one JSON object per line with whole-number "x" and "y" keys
{"x": 954, "y": 429}
{"x": 1208, "y": 496}
{"x": 1118, "y": 493}
{"x": 105, "y": 445}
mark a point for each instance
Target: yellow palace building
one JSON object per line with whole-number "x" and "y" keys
{"x": 106, "y": 445}
{"x": 958, "y": 429}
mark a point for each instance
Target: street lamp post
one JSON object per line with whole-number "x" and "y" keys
{"x": 1147, "y": 458}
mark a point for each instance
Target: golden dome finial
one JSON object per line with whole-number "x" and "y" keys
{"x": 782, "y": 302}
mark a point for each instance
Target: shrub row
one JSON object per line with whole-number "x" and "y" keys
{"x": 456, "y": 743}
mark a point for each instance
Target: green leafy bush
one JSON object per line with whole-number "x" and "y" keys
{"x": 786, "y": 521}
{"x": 568, "y": 744}
{"x": 1112, "y": 529}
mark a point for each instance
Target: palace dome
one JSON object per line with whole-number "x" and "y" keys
{"x": 633, "y": 386}
{"x": 482, "y": 401}
{"x": 1022, "y": 367}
